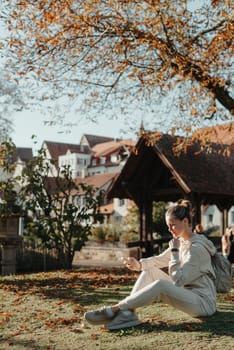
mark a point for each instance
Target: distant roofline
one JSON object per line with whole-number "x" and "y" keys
{"x": 61, "y": 143}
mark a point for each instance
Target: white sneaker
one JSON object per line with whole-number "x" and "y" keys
{"x": 124, "y": 319}
{"x": 99, "y": 316}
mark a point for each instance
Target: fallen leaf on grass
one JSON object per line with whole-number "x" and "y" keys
{"x": 77, "y": 330}
{"x": 5, "y": 315}
{"x": 16, "y": 333}
{"x": 50, "y": 325}
{"x": 23, "y": 327}
{"x": 18, "y": 301}
{"x": 79, "y": 309}
{"x": 60, "y": 321}
{"x": 94, "y": 336}
{"x": 103, "y": 329}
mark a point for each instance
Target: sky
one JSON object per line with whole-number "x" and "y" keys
{"x": 29, "y": 123}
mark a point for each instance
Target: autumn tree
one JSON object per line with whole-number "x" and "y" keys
{"x": 52, "y": 215}
{"x": 126, "y": 52}
{"x": 58, "y": 220}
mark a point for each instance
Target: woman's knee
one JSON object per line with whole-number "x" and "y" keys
{"x": 142, "y": 281}
{"x": 163, "y": 284}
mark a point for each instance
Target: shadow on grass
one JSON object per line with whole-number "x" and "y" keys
{"x": 99, "y": 286}
{"x": 220, "y": 324}
{"x": 85, "y": 286}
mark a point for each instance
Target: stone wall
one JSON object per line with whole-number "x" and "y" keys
{"x": 104, "y": 254}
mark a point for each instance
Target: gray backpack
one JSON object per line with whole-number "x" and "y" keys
{"x": 223, "y": 273}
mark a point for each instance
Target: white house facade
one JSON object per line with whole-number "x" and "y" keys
{"x": 211, "y": 217}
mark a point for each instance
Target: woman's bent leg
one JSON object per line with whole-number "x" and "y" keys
{"x": 149, "y": 276}
{"x": 163, "y": 290}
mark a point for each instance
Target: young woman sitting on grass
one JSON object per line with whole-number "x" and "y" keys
{"x": 188, "y": 286}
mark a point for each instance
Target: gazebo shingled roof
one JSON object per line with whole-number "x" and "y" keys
{"x": 155, "y": 173}
{"x": 157, "y": 168}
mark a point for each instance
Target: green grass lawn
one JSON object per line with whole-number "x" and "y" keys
{"x": 45, "y": 311}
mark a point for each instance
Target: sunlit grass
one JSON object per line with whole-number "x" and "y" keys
{"x": 45, "y": 311}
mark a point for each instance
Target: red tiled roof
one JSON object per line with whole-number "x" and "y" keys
{"x": 106, "y": 148}
{"x": 98, "y": 180}
{"x": 92, "y": 140}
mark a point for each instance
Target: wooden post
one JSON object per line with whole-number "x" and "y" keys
{"x": 147, "y": 224}
{"x": 224, "y": 220}
{"x": 9, "y": 240}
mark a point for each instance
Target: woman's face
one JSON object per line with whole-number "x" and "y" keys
{"x": 175, "y": 226}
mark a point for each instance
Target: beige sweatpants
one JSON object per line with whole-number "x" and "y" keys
{"x": 154, "y": 285}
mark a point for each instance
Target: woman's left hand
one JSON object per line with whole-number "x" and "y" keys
{"x": 133, "y": 264}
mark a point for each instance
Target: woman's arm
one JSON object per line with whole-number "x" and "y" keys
{"x": 196, "y": 262}
{"x": 160, "y": 261}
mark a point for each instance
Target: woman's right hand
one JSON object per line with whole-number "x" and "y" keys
{"x": 133, "y": 264}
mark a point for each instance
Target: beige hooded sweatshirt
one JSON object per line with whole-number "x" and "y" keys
{"x": 190, "y": 267}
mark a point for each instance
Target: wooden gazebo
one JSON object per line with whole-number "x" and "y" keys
{"x": 167, "y": 168}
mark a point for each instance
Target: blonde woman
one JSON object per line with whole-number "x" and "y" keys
{"x": 188, "y": 286}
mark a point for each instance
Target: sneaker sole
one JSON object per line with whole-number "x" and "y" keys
{"x": 124, "y": 325}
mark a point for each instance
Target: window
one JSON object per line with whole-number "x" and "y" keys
{"x": 121, "y": 202}
{"x": 210, "y": 218}
{"x": 81, "y": 161}
{"x": 232, "y": 217}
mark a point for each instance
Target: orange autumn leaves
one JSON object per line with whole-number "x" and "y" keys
{"x": 155, "y": 44}
{"x": 49, "y": 307}
{"x": 58, "y": 282}
{"x": 50, "y": 302}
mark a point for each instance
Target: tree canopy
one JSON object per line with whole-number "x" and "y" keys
{"x": 127, "y": 51}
